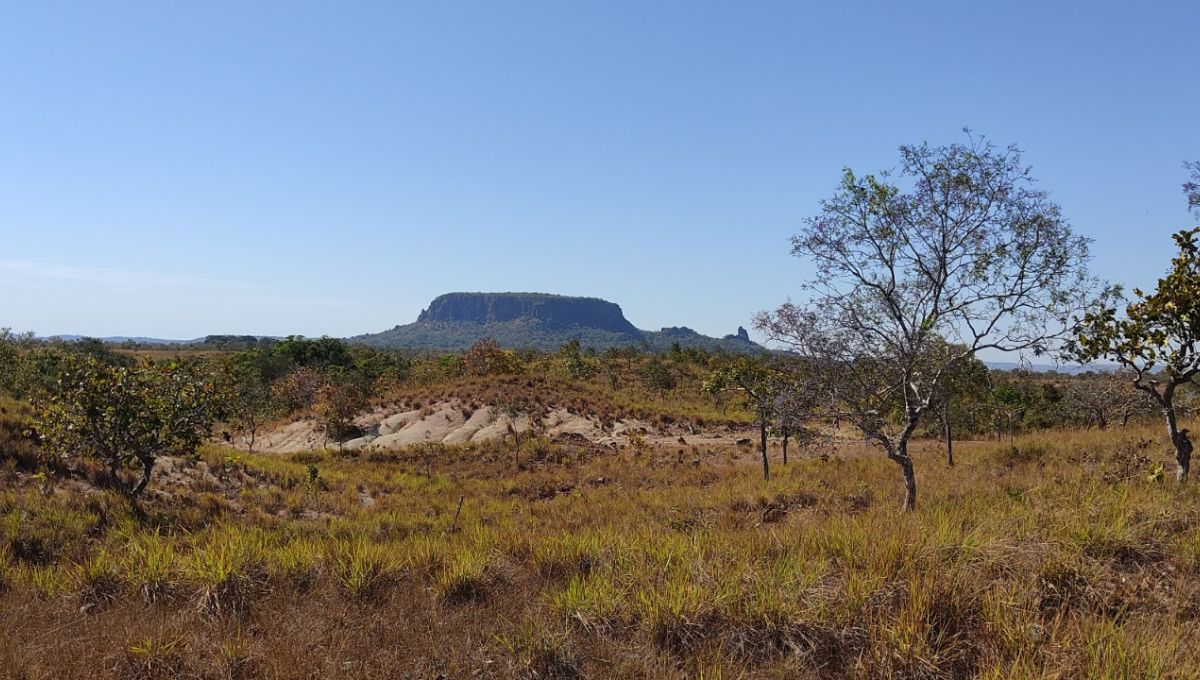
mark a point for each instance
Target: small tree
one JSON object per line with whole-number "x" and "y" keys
{"x": 126, "y": 417}
{"x": 797, "y": 404}
{"x": 962, "y": 388}
{"x": 576, "y": 364}
{"x": 14, "y": 348}
{"x": 1157, "y": 340}
{"x": 486, "y": 357}
{"x": 657, "y": 376}
{"x": 511, "y": 411}
{"x": 1098, "y": 400}
{"x": 251, "y": 400}
{"x": 336, "y": 404}
{"x": 298, "y": 389}
{"x": 1012, "y": 396}
{"x": 760, "y": 384}
{"x": 966, "y": 253}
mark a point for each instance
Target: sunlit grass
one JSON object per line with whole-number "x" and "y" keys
{"x": 1039, "y": 562}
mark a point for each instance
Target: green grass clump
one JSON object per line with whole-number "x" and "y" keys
{"x": 465, "y": 578}
{"x": 361, "y": 566}
{"x": 227, "y": 564}
{"x": 152, "y": 565}
{"x": 100, "y": 580}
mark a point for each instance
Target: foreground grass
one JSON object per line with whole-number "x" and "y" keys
{"x": 1064, "y": 558}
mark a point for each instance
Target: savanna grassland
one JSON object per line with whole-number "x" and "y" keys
{"x": 1067, "y": 555}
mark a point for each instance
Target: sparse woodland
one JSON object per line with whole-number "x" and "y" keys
{"x": 142, "y": 535}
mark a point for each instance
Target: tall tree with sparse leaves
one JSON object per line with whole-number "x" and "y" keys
{"x": 956, "y": 247}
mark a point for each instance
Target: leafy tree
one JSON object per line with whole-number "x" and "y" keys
{"x": 963, "y": 388}
{"x": 450, "y": 366}
{"x": 252, "y": 401}
{"x": 967, "y": 254}
{"x": 336, "y": 403}
{"x": 776, "y": 392}
{"x": 1157, "y": 339}
{"x": 298, "y": 389}
{"x": 760, "y": 384}
{"x": 126, "y": 417}
{"x": 1013, "y": 396}
{"x": 486, "y": 357}
{"x": 657, "y": 376}
{"x": 319, "y": 352}
{"x": 575, "y": 364}
{"x": 14, "y": 368}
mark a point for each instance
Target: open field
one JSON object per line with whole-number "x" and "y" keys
{"x": 313, "y": 362}
{"x": 1065, "y": 558}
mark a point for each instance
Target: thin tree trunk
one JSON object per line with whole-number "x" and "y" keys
{"x": 762, "y": 428}
{"x": 910, "y": 484}
{"x": 147, "y": 470}
{"x": 785, "y": 443}
{"x": 131, "y": 493}
{"x": 1180, "y": 440}
{"x": 899, "y": 454}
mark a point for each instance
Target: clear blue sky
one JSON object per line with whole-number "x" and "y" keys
{"x": 174, "y": 169}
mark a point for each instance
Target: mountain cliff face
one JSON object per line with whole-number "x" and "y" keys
{"x": 554, "y": 311}
{"x": 538, "y": 320}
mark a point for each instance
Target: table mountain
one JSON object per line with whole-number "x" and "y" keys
{"x": 538, "y": 320}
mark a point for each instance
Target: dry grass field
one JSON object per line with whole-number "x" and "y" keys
{"x": 1068, "y": 557}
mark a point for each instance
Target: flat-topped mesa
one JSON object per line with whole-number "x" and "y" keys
{"x": 555, "y": 311}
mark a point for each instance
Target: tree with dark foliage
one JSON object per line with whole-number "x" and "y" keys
{"x": 128, "y": 416}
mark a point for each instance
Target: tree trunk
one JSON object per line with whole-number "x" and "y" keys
{"x": 947, "y": 433}
{"x": 899, "y": 454}
{"x": 130, "y": 492}
{"x": 147, "y": 470}
{"x": 910, "y": 484}
{"x": 785, "y": 443}
{"x": 762, "y": 428}
{"x": 1180, "y": 440}
{"x": 114, "y": 473}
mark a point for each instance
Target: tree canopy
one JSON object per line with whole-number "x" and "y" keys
{"x": 919, "y": 268}
{"x": 1158, "y": 337}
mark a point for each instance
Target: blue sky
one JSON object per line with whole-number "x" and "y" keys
{"x": 176, "y": 169}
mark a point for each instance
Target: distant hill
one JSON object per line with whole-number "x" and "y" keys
{"x": 206, "y": 341}
{"x": 118, "y": 339}
{"x": 542, "y": 321}
{"x": 1066, "y": 369}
